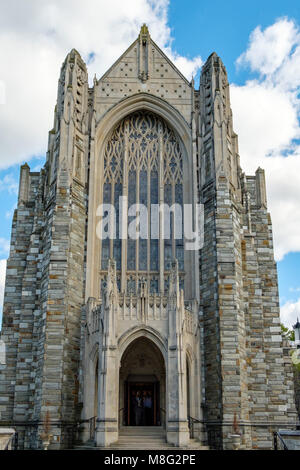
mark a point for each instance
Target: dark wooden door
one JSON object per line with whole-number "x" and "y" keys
{"x": 143, "y": 387}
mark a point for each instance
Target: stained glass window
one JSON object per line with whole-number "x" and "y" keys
{"x": 145, "y": 138}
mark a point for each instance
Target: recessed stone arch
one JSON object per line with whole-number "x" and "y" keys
{"x": 190, "y": 355}
{"x": 143, "y": 101}
{"x": 142, "y": 373}
{"x": 103, "y": 128}
{"x": 146, "y": 332}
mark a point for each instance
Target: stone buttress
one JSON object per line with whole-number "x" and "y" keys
{"x": 45, "y": 275}
{"x": 242, "y": 343}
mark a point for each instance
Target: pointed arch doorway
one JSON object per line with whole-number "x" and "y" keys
{"x": 142, "y": 392}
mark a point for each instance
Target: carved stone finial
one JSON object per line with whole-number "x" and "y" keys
{"x": 111, "y": 277}
{"x": 144, "y": 34}
{"x": 174, "y": 280}
{"x": 261, "y": 193}
{"x": 143, "y": 288}
{"x": 112, "y": 287}
{"x": 144, "y": 42}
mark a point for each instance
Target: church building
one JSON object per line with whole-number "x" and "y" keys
{"x": 98, "y": 322}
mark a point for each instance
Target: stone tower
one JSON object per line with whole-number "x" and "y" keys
{"x": 91, "y": 321}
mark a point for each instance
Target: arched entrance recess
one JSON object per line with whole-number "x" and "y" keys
{"x": 142, "y": 375}
{"x": 96, "y": 254}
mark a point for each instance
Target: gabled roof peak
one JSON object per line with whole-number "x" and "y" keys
{"x": 144, "y": 29}
{"x": 144, "y": 35}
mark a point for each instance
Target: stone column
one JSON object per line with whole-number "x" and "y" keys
{"x": 88, "y": 370}
{"x": 107, "y": 421}
{"x": 177, "y": 424}
{"x": 108, "y": 379}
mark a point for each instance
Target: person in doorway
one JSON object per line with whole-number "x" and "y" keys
{"x": 132, "y": 407}
{"x": 138, "y": 409}
{"x": 144, "y": 408}
{"x": 148, "y": 409}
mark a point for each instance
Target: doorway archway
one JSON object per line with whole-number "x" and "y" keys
{"x": 142, "y": 385}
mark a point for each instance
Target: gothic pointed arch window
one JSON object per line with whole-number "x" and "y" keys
{"x": 143, "y": 161}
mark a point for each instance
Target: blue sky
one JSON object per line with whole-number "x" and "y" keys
{"x": 223, "y": 27}
{"x": 259, "y": 43}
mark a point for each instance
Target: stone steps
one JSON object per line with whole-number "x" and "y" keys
{"x": 141, "y": 438}
{"x": 149, "y": 438}
{"x": 144, "y": 438}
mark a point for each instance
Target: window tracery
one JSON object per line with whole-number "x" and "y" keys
{"x": 143, "y": 161}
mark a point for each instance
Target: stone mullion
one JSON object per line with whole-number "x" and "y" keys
{"x": 161, "y": 215}
{"x": 149, "y": 218}
{"x": 124, "y": 215}
{"x": 137, "y": 245}
{"x": 173, "y": 220}
{"x": 112, "y": 201}
{"x": 103, "y": 179}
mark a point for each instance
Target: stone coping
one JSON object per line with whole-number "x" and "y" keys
{"x": 7, "y": 431}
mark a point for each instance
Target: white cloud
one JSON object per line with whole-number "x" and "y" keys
{"x": 35, "y": 38}
{"x": 266, "y": 117}
{"x": 9, "y": 184}
{"x": 289, "y": 312}
{"x": 269, "y": 49}
{"x": 189, "y": 67}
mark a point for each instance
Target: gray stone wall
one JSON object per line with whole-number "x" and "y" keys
{"x": 296, "y": 378}
{"x": 21, "y": 302}
{"x": 45, "y": 280}
{"x": 241, "y": 320}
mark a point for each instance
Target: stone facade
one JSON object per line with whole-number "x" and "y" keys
{"x": 213, "y": 344}
{"x": 297, "y": 388}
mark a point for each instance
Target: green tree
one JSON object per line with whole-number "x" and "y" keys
{"x": 288, "y": 334}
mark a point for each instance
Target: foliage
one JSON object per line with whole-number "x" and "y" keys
{"x": 288, "y": 334}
